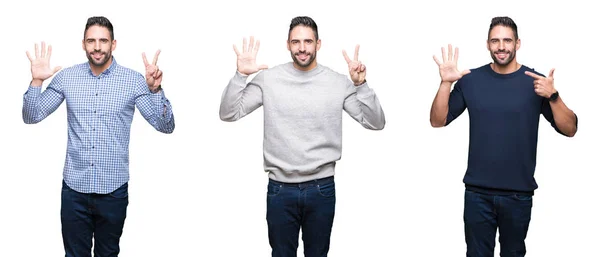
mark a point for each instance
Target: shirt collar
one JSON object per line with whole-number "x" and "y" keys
{"x": 106, "y": 72}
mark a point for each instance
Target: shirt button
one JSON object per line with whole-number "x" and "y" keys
{"x": 94, "y": 111}
{"x": 96, "y": 94}
{"x": 93, "y": 147}
{"x": 92, "y": 164}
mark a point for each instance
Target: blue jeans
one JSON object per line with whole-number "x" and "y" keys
{"x": 100, "y": 216}
{"x": 483, "y": 214}
{"x": 308, "y": 205}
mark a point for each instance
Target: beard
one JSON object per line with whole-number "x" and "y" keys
{"x": 102, "y": 61}
{"x": 508, "y": 59}
{"x": 308, "y": 62}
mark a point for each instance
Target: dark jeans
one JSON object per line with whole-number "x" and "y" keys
{"x": 483, "y": 214}
{"x": 100, "y": 216}
{"x": 308, "y": 205}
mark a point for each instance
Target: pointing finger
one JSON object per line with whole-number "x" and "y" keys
{"x": 533, "y": 75}
{"x": 346, "y": 56}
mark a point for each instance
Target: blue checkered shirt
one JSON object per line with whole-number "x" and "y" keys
{"x": 99, "y": 114}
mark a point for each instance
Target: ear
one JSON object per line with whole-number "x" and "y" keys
{"x": 318, "y": 44}
{"x": 287, "y": 44}
{"x": 83, "y": 45}
{"x": 487, "y": 45}
{"x": 114, "y": 45}
{"x": 518, "y": 45}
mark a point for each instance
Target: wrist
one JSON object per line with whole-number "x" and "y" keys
{"x": 36, "y": 82}
{"x": 553, "y": 97}
{"x": 359, "y": 83}
{"x": 157, "y": 89}
{"x": 445, "y": 84}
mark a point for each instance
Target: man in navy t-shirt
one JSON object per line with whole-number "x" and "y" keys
{"x": 505, "y": 100}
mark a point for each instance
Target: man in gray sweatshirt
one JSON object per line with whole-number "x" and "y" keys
{"x": 303, "y": 106}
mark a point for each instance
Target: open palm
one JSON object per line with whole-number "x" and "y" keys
{"x": 246, "y": 60}
{"x": 40, "y": 66}
{"x": 448, "y": 67}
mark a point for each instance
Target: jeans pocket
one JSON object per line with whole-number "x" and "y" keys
{"x": 327, "y": 189}
{"x": 120, "y": 193}
{"x": 274, "y": 189}
{"x": 522, "y": 197}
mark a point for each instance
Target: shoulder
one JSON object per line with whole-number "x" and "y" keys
{"x": 476, "y": 74}
{"x": 525, "y": 68}
{"x": 127, "y": 72}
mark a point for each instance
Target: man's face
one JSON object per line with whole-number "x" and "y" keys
{"x": 98, "y": 45}
{"x": 303, "y": 47}
{"x": 502, "y": 45}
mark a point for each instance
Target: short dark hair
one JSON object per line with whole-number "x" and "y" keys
{"x": 506, "y": 22}
{"x": 100, "y": 21}
{"x": 304, "y": 21}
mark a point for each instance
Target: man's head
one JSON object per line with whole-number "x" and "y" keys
{"x": 99, "y": 41}
{"x": 303, "y": 42}
{"x": 503, "y": 40}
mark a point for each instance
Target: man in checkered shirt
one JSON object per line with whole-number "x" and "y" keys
{"x": 101, "y": 97}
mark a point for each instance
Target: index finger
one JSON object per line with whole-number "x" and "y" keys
{"x": 533, "y": 75}
{"x": 156, "y": 57}
{"x": 346, "y": 56}
{"x": 144, "y": 58}
{"x": 356, "y": 52}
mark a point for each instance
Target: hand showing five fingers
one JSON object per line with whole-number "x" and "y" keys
{"x": 448, "y": 67}
{"x": 246, "y": 60}
{"x": 40, "y": 66}
{"x": 153, "y": 74}
{"x": 358, "y": 71}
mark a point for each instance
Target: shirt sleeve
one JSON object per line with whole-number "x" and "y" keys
{"x": 240, "y": 99}
{"x": 362, "y": 104}
{"x": 456, "y": 103}
{"x": 38, "y": 105}
{"x": 547, "y": 113}
{"x": 154, "y": 107}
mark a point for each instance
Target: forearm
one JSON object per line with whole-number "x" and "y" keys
{"x": 231, "y": 100}
{"x": 164, "y": 119}
{"x": 439, "y": 107}
{"x": 565, "y": 119}
{"x": 31, "y": 108}
{"x": 373, "y": 116}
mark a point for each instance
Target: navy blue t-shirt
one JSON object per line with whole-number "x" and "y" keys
{"x": 504, "y": 115}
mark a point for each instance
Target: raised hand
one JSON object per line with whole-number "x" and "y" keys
{"x": 448, "y": 68}
{"x": 153, "y": 74}
{"x": 246, "y": 60}
{"x": 358, "y": 71}
{"x": 40, "y": 66}
{"x": 543, "y": 87}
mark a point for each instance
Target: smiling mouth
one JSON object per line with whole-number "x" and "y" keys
{"x": 302, "y": 57}
{"x": 97, "y": 55}
{"x": 501, "y": 55}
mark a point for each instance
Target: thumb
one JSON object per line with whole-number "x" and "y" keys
{"x": 465, "y": 72}
{"x": 551, "y": 74}
{"x": 263, "y": 67}
{"x": 56, "y": 69}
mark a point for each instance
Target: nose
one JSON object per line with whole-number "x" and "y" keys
{"x": 502, "y": 45}
{"x": 96, "y": 45}
{"x": 302, "y": 47}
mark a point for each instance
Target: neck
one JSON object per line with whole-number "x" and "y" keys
{"x": 307, "y": 68}
{"x": 506, "y": 69}
{"x": 96, "y": 70}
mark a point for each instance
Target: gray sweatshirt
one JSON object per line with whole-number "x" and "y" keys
{"x": 302, "y": 116}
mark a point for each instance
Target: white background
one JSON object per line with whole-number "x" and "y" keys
{"x": 201, "y": 191}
